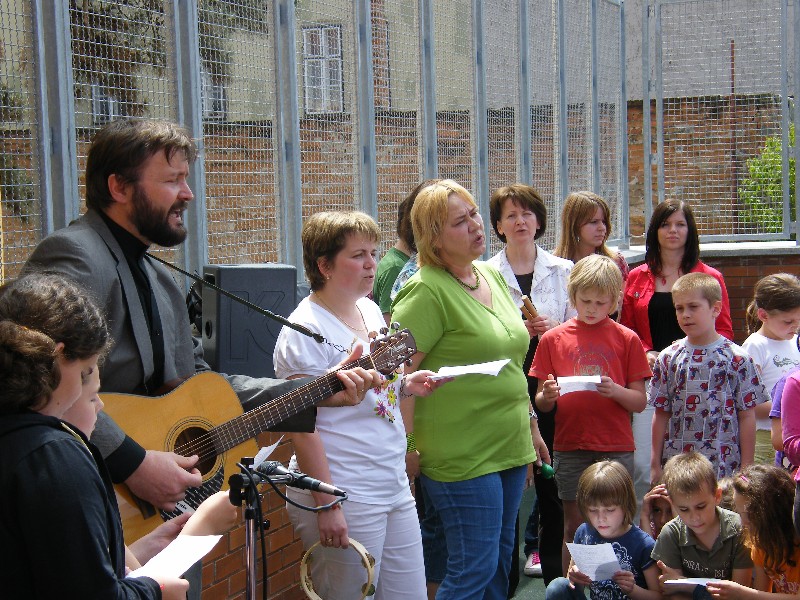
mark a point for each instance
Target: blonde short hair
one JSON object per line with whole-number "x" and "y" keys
{"x": 708, "y": 287}
{"x": 325, "y": 234}
{"x": 596, "y": 272}
{"x": 429, "y": 217}
{"x": 689, "y": 473}
{"x": 607, "y": 483}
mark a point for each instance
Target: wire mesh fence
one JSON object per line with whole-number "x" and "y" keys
{"x": 362, "y": 100}
{"x": 20, "y": 199}
{"x": 721, "y": 73}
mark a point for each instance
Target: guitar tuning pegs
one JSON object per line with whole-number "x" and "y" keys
{"x": 384, "y": 330}
{"x": 395, "y": 326}
{"x": 372, "y": 335}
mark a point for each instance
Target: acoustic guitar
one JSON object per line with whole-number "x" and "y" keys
{"x": 203, "y": 416}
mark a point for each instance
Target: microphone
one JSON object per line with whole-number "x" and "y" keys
{"x": 297, "y": 479}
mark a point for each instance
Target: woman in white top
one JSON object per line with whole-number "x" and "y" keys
{"x": 360, "y": 449}
{"x": 519, "y": 218}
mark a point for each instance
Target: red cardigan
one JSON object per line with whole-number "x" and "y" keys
{"x": 639, "y": 289}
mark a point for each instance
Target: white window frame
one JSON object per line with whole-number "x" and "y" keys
{"x": 323, "y": 71}
{"x": 105, "y": 107}
{"x": 213, "y": 97}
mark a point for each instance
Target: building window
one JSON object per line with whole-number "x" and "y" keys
{"x": 322, "y": 69}
{"x": 215, "y": 103}
{"x": 105, "y": 107}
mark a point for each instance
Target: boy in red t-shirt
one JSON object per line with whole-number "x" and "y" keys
{"x": 591, "y": 424}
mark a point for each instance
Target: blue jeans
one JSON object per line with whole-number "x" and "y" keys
{"x": 559, "y": 589}
{"x": 478, "y": 517}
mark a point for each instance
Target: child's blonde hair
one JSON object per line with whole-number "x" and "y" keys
{"x": 595, "y": 272}
{"x": 708, "y": 287}
{"x": 779, "y": 292}
{"x": 606, "y": 483}
{"x": 689, "y": 473}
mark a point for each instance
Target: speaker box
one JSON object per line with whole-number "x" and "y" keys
{"x": 236, "y": 338}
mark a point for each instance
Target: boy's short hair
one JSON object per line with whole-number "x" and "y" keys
{"x": 606, "y": 483}
{"x": 689, "y": 473}
{"x": 708, "y": 287}
{"x": 595, "y": 272}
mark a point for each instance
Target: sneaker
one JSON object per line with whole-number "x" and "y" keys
{"x": 533, "y": 566}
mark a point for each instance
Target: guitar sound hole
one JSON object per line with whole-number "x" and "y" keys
{"x": 188, "y": 442}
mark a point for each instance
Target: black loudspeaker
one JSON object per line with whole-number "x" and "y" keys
{"x": 237, "y": 339}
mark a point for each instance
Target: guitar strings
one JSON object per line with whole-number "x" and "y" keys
{"x": 205, "y": 445}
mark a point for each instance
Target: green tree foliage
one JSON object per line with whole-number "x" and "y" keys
{"x": 761, "y": 192}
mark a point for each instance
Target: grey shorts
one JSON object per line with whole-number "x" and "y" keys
{"x": 570, "y": 465}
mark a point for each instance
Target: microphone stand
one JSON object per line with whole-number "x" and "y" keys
{"x": 244, "y": 489}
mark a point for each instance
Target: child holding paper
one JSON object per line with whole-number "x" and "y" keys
{"x": 704, "y": 540}
{"x": 590, "y": 344}
{"x": 608, "y": 503}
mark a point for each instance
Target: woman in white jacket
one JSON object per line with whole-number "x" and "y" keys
{"x": 519, "y": 218}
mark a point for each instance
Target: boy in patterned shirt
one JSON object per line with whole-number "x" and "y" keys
{"x": 704, "y": 387}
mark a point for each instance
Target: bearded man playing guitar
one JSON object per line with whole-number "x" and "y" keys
{"x": 136, "y": 194}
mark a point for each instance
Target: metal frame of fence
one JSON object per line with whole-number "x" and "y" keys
{"x": 723, "y": 116}
{"x": 402, "y": 90}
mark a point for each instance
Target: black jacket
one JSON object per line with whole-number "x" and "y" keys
{"x": 60, "y": 529}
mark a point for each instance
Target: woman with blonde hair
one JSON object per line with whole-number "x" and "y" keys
{"x": 360, "y": 449}
{"x": 473, "y": 436}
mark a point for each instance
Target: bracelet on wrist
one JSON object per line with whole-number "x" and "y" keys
{"x": 403, "y": 392}
{"x": 337, "y": 506}
{"x": 411, "y": 443}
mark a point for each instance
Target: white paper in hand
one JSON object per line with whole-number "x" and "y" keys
{"x": 487, "y": 368}
{"x": 578, "y": 383}
{"x": 597, "y": 562}
{"x": 175, "y": 559}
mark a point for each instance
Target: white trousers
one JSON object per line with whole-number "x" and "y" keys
{"x": 642, "y": 437}
{"x": 390, "y": 533}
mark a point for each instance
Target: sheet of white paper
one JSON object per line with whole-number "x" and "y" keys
{"x": 175, "y": 559}
{"x": 487, "y": 368}
{"x": 597, "y": 562}
{"x": 687, "y": 584}
{"x": 265, "y": 453}
{"x": 578, "y": 383}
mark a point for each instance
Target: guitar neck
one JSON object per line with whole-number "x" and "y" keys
{"x": 257, "y": 420}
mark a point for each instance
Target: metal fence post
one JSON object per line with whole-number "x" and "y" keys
{"x": 659, "y": 104}
{"x": 190, "y": 114}
{"x": 481, "y": 136}
{"x": 647, "y": 141}
{"x": 289, "y": 175}
{"x": 524, "y": 167}
{"x": 430, "y": 156}
{"x": 622, "y": 137}
{"x": 563, "y": 101}
{"x": 57, "y": 154}
{"x": 595, "y": 110}
{"x": 366, "y": 108}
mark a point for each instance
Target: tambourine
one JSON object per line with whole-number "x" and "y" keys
{"x": 366, "y": 559}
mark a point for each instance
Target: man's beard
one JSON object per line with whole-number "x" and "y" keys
{"x": 153, "y": 224}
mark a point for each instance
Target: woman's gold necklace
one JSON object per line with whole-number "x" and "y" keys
{"x": 333, "y": 312}
{"x": 471, "y": 288}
